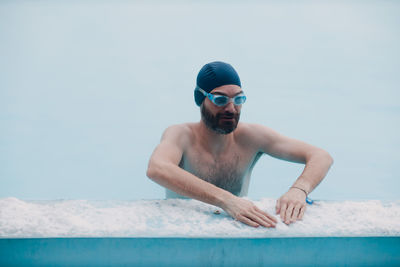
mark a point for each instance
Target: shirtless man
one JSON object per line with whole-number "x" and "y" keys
{"x": 212, "y": 160}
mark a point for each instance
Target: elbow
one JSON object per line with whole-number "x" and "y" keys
{"x": 328, "y": 158}
{"x": 156, "y": 170}
{"x": 151, "y": 172}
{"x": 323, "y": 156}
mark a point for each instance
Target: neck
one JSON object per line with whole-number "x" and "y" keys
{"x": 214, "y": 142}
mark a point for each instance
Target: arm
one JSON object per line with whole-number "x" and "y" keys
{"x": 291, "y": 206}
{"x": 164, "y": 169}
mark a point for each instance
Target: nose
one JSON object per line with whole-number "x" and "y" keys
{"x": 230, "y": 107}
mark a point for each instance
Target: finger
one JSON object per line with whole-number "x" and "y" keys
{"x": 302, "y": 210}
{"x": 288, "y": 214}
{"x": 270, "y": 217}
{"x": 247, "y": 221}
{"x": 254, "y": 217}
{"x": 295, "y": 214}
{"x": 267, "y": 222}
{"x": 277, "y": 207}
{"x": 283, "y": 211}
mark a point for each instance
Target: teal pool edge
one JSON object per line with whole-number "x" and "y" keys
{"x": 296, "y": 251}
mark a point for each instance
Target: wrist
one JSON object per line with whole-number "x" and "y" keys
{"x": 304, "y": 184}
{"x": 224, "y": 199}
{"x": 299, "y": 188}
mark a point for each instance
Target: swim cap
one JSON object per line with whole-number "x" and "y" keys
{"x": 213, "y": 75}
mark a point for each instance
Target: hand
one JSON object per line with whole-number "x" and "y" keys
{"x": 291, "y": 206}
{"x": 245, "y": 211}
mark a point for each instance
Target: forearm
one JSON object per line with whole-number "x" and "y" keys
{"x": 317, "y": 166}
{"x": 184, "y": 183}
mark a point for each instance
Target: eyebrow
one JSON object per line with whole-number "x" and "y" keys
{"x": 220, "y": 93}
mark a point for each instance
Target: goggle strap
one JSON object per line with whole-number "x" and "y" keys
{"x": 201, "y": 90}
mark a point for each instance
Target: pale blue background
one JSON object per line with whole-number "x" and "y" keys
{"x": 87, "y": 87}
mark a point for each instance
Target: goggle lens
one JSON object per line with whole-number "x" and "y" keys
{"x": 221, "y": 100}
{"x": 240, "y": 99}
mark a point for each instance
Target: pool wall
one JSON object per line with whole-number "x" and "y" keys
{"x": 300, "y": 251}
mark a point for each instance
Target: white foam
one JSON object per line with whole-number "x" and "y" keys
{"x": 188, "y": 218}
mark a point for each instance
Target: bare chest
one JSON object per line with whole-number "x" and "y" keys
{"x": 228, "y": 171}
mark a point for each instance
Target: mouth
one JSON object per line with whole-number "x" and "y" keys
{"x": 227, "y": 116}
{"x": 227, "y": 120}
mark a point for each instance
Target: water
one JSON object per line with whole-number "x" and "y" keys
{"x": 87, "y": 87}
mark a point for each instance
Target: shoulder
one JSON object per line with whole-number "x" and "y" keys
{"x": 255, "y": 131}
{"x": 256, "y": 134}
{"x": 179, "y": 134}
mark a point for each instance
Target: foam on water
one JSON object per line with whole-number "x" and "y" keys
{"x": 188, "y": 218}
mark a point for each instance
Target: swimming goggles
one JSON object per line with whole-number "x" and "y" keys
{"x": 222, "y": 100}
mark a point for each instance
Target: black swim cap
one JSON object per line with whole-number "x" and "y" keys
{"x": 213, "y": 75}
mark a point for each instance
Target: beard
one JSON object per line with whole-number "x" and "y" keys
{"x": 217, "y": 124}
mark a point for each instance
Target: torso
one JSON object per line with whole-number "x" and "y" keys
{"x": 230, "y": 170}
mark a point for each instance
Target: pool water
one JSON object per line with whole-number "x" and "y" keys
{"x": 87, "y": 88}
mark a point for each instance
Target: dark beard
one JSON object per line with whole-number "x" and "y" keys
{"x": 214, "y": 122}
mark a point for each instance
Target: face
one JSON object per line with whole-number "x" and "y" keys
{"x": 222, "y": 120}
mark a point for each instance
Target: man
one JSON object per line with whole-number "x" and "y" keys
{"x": 212, "y": 160}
